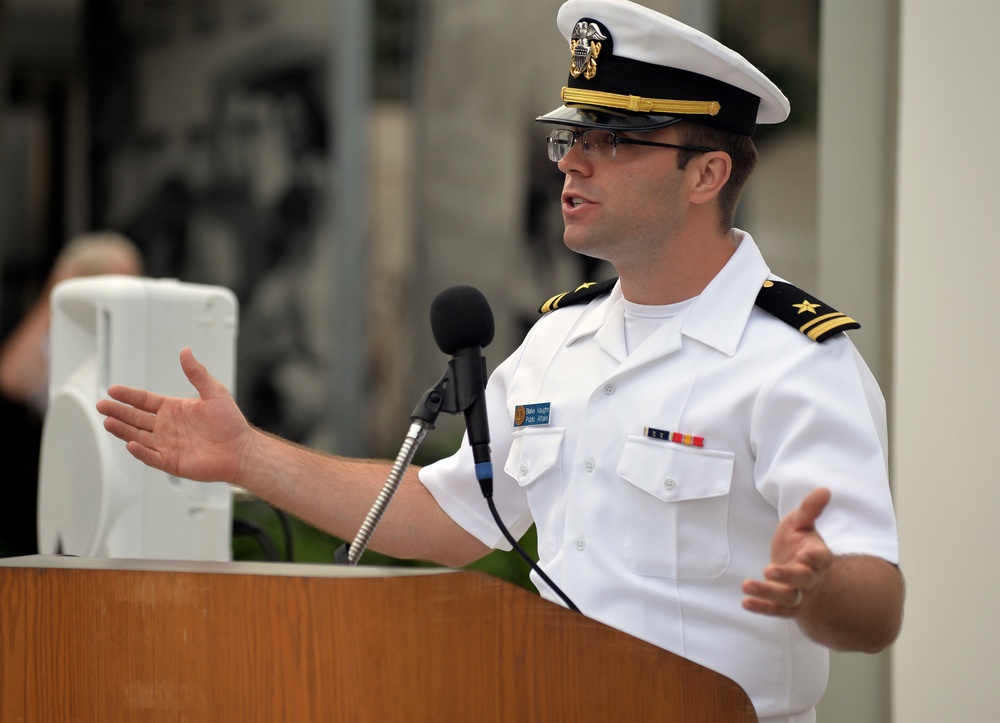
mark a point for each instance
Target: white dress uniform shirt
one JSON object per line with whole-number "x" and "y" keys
{"x": 655, "y": 537}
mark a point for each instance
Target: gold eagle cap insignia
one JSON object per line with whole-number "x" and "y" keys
{"x": 585, "y": 46}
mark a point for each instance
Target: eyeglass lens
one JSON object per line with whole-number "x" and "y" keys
{"x": 562, "y": 139}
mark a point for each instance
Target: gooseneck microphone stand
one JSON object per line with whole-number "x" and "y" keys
{"x": 456, "y": 391}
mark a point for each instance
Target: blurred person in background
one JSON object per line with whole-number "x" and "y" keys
{"x": 24, "y": 380}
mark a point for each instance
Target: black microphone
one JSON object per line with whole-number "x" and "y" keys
{"x": 462, "y": 324}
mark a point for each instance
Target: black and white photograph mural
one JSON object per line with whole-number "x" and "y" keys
{"x": 217, "y": 170}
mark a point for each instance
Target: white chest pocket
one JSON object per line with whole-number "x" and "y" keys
{"x": 534, "y": 462}
{"x": 675, "y": 509}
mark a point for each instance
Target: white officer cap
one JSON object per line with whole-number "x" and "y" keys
{"x": 632, "y": 68}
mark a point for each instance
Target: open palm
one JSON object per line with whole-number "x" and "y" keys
{"x": 200, "y": 438}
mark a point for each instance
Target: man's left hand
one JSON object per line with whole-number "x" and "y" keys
{"x": 799, "y": 561}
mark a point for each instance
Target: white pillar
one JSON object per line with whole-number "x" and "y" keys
{"x": 946, "y": 386}
{"x": 855, "y": 208}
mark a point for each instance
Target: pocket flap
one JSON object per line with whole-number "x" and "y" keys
{"x": 532, "y": 453}
{"x": 672, "y": 472}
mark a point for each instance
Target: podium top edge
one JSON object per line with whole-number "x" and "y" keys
{"x": 271, "y": 569}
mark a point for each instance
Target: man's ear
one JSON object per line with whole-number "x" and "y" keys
{"x": 711, "y": 173}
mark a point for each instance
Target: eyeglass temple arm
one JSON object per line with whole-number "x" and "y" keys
{"x": 638, "y": 142}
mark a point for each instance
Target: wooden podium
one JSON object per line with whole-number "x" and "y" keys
{"x": 121, "y": 640}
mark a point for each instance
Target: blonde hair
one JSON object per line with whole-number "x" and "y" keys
{"x": 99, "y": 252}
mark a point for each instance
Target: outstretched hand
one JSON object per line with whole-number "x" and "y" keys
{"x": 199, "y": 438}
{"x": 799, "y": 561}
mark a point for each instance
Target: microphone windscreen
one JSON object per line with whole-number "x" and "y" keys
{"x": 461, "y": 318}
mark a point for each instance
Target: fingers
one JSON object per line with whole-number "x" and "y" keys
{"x": 138, "y": 398}
{"x": 797, "y": 576}
{"x": 770, "y": 598}
{"x": 784, "y": 587}
{"x": 126, "y": 414}
{"x": 144, "y": 454}
{"x": 203, "y": 382}
{"x": 131, "y": 424}
{"x": 137, "y": 408}
{"x": 123, "y": 430}
{"x": 136, "y": 431}
{"x": 139, "y": 441}
{"x": 208, "y": 387}
{"x": 811, "y": 508}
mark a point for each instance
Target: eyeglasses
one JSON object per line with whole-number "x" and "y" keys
{"x": 601, "y": 143}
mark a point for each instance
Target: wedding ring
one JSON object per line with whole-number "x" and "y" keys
{"x": 798, "y": 598}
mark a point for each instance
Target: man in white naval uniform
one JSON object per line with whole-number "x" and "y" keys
{"x": 698, "y": 443}
{"x": 656, "y": 537}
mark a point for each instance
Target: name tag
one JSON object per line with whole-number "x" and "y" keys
{"x": 530, "y": 415}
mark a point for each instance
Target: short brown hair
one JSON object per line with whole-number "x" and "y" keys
{"x": 741, "y": 150}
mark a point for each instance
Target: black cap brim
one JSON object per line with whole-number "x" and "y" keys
{"x": 588, "y": 116}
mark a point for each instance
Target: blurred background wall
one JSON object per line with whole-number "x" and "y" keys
{"x": 337, "y": 163}
{"x": 218, "y": 136}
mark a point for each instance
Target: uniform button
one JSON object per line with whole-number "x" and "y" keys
{"x": 609, "y": 389}
{"x": 590, "y": 465}
{"x": 669, "y": 483}
{"x": 523, "y": 469}
{"x": 581, "y": 544}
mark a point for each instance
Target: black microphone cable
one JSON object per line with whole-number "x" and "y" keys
{"x": 249, "y": 528}
{"x": 286, "y": 532}
{"x": 524, "y": 553}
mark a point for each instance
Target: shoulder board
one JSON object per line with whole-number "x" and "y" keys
{"x": 806, "y": 313}
{"x": 580, "y": 295}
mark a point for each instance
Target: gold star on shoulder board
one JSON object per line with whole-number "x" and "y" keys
{"x": 779, "y": 298}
